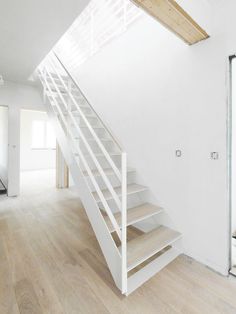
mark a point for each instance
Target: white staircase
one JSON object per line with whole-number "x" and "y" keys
{"x": 111, "y": 198}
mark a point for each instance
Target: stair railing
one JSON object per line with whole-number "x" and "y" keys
{"x": 50, "y": 73}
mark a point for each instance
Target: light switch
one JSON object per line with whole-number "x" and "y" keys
{"x": 214, "y": 155}
{"x": 178, "y": 153}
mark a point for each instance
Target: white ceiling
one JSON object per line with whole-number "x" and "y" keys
{"x": 28, "y": 31}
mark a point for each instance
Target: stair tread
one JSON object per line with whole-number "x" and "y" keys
{"x": 94, "y": 127}
{"x": 110, "y": 153}
{"x": 76, "y": 113}
{"x": 131, "y": 189}
{"x": 107, "y": 171}
{"x": 101, "y": 139}
{"x": 135, "y": 214}
{"x": 101, "y": 155}
{"x": 148, "y": 244}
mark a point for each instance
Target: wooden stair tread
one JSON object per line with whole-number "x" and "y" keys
{"x": 107, "y": 171}
{"x": 135, "y": 214}
{"x": 110, "y": 154}
{"x": 131, "y": 189}
{"x": 93, "y": 139}
{"x": 77, "y": 114}
{"x": 148, "y": 244}
{"x": 100, "y": 154}
{"x": 94, "y": 127}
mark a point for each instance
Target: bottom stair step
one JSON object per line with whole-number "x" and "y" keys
{"x": 148, "y": 244}
{"x": 135, "y": 214}
{"x": 148, "y": 271}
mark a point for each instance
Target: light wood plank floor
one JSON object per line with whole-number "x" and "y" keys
{"x": 50, "y": 262}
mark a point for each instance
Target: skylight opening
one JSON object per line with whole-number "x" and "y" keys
{"x": 99, "y": 23}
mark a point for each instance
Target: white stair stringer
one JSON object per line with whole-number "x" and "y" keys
{"x": 107, "y": 244}
{"x": 111, "y": 198}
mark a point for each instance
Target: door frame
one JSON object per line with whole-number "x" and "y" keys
{"x": 229, "y": 155}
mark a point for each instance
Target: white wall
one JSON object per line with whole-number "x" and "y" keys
{"x": 34, "y": 159}
{"x": 16, "y": 97}
{"x": 21, "y": 96}
{"x": 3, "y": 144}
{"x": 29, "y": 30}
{"x": 167, "y": 96}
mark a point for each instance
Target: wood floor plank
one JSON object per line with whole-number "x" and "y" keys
{"x": 26, "y": 298}
{"x": 50, "y": 262}
{"x": 67, "y": 279}
{"x": 199, "y": 296}
{"x": 8, "y": 302}
{"x": 219, "y": 286}
{"x": 27, "y": 266}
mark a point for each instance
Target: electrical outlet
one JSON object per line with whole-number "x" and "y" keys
{"x": 178, "y": 153}
{"x": 214, "y": 155}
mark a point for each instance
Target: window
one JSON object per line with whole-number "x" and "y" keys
{"x": 43, "y": 136}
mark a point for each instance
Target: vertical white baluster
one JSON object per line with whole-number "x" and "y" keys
{"x": 124, "y": 221}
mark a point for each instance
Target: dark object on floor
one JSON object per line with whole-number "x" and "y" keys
{"x": 3, "y": 189}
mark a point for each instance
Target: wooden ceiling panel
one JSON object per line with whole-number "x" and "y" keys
{"x": 172, "y": 16}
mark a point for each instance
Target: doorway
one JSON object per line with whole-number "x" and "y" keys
{"x": 232, "y": 164}
{"x": 37, "y": 153}
{"x": 3, "y": 149}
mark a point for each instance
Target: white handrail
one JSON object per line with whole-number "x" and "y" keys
{"x": 103, "y": 200}
{"x": 124, "y": 222}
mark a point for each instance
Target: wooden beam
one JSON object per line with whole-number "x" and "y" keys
{"x": 172, "y": 16}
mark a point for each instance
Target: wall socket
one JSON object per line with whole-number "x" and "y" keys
{"x": 178, "y": 153}
{"x": 214, "y": 155}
